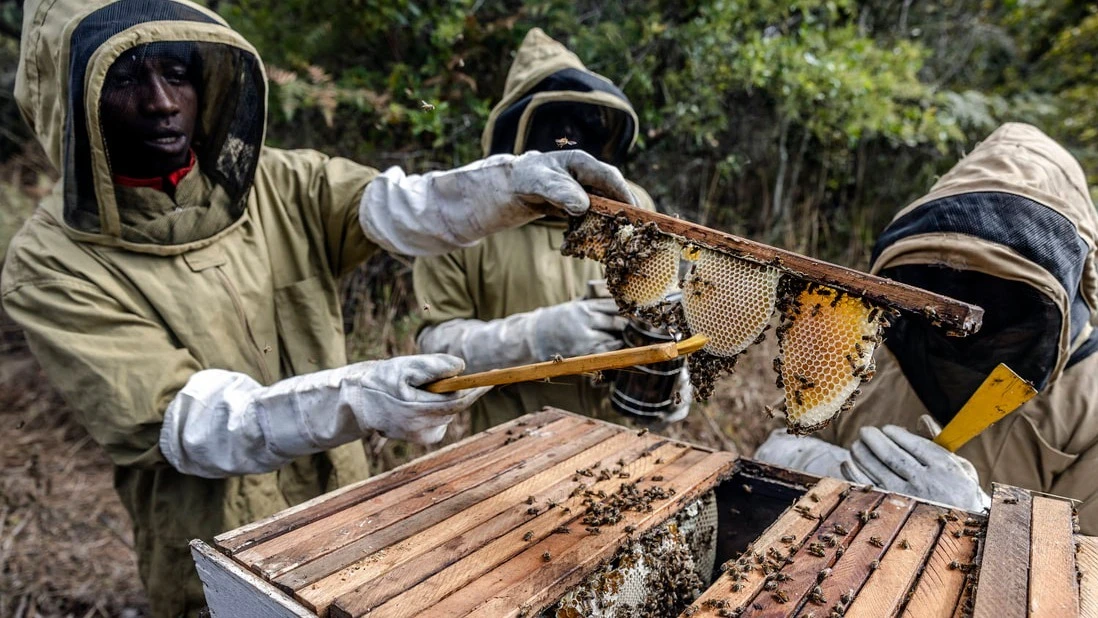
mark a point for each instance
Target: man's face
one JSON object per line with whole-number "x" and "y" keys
{"x": 149, "y": 106}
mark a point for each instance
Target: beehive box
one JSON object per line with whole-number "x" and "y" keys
{"x": 558, "y": 515}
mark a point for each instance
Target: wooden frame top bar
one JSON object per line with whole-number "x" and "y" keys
{"x": 959, "y": 317}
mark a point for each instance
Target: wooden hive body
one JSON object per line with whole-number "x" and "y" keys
{"x": 495, "y": 526}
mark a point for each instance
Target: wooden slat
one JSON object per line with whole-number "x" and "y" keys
{"x": 1004, "y": 568}
{"x": 885, "y": 590}
{"x": 1086, "y": 560}
{"x": 428, "y": 551}
{"x": 851, "y": 570}
{"x": 462, "y": 575}
{"x": 939, "y": 586}
{"x": 574, "y": 563}
{"x": 961, "y": 317}
{"x": 806, "y": 566}
{"x": 239, "y": 539}
{"x": 328, "y": 545}
{"x": 820, "y": 499}
{"x": 1052, "y": 586}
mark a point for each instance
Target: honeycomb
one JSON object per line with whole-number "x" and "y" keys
{"x": 588, "y": 237}
{"x": 728, "y": 299}
{"x": 642, "y": 266}
{"x": 826, "y": 343}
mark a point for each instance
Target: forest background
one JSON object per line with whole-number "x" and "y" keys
{"x": 804, "y": 124}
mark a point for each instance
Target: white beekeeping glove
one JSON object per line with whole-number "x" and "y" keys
{"x": 568, "y": 329}
{"x": 224, "y": 423}
{"x": 895, "y": 459}
{"x": 439, "y": 212}
{"x": 803, "y": 453}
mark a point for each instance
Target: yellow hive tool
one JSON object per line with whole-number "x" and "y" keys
{"x": 1002, "y": 392}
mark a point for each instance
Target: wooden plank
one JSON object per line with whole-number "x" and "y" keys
{"x": 1086, "y": 561}
{"x": 1052, "y": 586}
{"x": 435, "y": 547}
{"x": 588, "y": 363}
{"x": 806, "y": 568}
{"x": 463, "y": 574}
{"x": 570, "y": 566}
{"x": 857, "y": 563}
{"x": 335, "y": 541}
{"x": 938, "y": 590}
{"x": 467, "y": 556}
{"x": 1004, "y": 569}
{"x": 731, "y": 589}
{"x": 962, "y": 318}
{"x": 233, "y": 592}
{"x": 885, "y": 591}
{"x": 239, "y": 539}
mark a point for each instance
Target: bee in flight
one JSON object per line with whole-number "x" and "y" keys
{"x": 564, "y": 142}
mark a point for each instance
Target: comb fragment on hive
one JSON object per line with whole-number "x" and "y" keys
{"x": 642, "y": 266}
{"x": 826, "y": 343}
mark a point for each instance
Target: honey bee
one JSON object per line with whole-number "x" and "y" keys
{"x": 425, "y": 106}
{"x": 564, "y": 142}
{"x": 546, "y": 557}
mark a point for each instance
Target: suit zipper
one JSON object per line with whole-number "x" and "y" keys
{"x": 239, "y": 306}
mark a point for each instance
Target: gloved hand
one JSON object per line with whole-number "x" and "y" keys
{"x": 439, "y": 212}
{"x": 568, "y": 329}
{"x": 224, "y": 423}
{"x": 803, "y": 453}
{"x": 895, "y": 459}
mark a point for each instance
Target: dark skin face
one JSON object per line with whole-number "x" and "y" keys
{"x": 149, "y": 108}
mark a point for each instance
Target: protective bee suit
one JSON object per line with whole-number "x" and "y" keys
{"x": 514, "y": 299}
{"x": 196, "y": 332}
{"x": 1011, "y": 228}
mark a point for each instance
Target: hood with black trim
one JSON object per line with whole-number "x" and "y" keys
{"x": 1013, "y": 229}
{"x": 545, "y": 77}
{"x": 66, "y": 50}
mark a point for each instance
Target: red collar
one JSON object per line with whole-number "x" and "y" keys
{"x": 157, "y": 182}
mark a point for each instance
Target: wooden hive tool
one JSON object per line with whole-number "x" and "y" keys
{"x": 831, "y": 318}
{"x": 617, "y": 359}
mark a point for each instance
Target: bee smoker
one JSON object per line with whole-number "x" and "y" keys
{"x": 645, "y": 392}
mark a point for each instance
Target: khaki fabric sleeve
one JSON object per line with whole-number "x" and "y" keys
{"x": 442, "y": 288}
{"x": 328, "y": 190}
{"x": 117, "y": 369}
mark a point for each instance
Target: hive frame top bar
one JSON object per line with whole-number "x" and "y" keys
{"x": 960, "y": 318}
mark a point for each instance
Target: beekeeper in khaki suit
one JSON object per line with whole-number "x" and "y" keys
{"x": 514, "y": 299}
{"x": 179, "y": 285}
{"x": 1011, "y": 228}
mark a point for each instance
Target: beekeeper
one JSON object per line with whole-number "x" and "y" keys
{"x": 1011, "y": 228}
{"x": 514, "y": 299}
{"x": 179, "y": 285}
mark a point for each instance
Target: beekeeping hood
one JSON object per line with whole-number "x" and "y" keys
{"x": 68, "y": 46}
{"x": 543, "y": 77}
{"x": 1011, "y": 228}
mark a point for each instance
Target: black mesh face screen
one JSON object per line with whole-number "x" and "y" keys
{"x": 594, "y": 129}
{"x": 1021, "y": 329}
{"x": 162, "y": 108}
{"x": 505, "y": 133}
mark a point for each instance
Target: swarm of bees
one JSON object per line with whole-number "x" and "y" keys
{"x": 826, "y": 337}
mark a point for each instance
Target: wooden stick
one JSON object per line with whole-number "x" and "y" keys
{"x": 961, "y": 318}
{"x": 617, "y": 359}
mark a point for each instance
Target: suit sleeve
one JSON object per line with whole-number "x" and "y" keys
{"x": 117, "y": 369}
